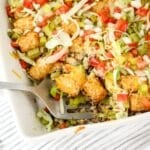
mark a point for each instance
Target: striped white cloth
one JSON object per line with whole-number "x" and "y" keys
{"x": 135, "y": 136}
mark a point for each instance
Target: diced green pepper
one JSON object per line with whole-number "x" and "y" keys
{"x": 142, "y": 49}
{"x": 75, "y": 102}
{"x": 43, "y": 40}
{"x": 43, "y": 121}
{"x": 34, "y": 53}
{"x": 53, "y": 91}
{"x": 47, "y": 30}
{"x": 134, "y": 37}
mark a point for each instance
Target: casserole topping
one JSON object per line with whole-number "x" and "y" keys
{"x": 95, "y": 52}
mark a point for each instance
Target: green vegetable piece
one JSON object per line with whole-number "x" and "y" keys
{"x": 73, "y": 122}
{"x": 53, "y": 91}
{"x": 134, "y": 37}
{"x": 75, "y": 102}
{"x": 43, "y": 40}
{"x": 143, "y": 89}
{"x": 34, "y": 53}
{"x": 52, "y": 26}
{"x": 57, "y": 20}
{"x": 130, "y": 30}
{"x": 45, "y": 119}
{"x": 15, "y": 36}
{"x": 46, "y": 8}
{"x": 142, "y": 49}
{"x": 47, "y": 31}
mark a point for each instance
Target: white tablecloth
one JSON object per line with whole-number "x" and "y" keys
{"x": 135, "y": 136}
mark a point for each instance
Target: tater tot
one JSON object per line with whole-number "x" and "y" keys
{"x": 130, "y": 83}
{"x": 72, "y": 82}
{"x": 25, "y": 23}
{"x": 139, "y": 103}
{"x": 28, "y": 41}
{"x": 94, "y": 89}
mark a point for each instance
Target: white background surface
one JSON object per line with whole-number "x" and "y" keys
{"x": 133, "y": 136}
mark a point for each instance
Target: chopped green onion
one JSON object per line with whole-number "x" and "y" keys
{"x": 116, "y": 76}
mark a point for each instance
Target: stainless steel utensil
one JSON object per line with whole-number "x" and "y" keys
{"x": 57, "y": 108}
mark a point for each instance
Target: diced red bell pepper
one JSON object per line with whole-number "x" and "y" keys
{"x": 142, "y": 11}
{"x": 109, "y": 55}
{"x": 121, "y": 25}
{"x": 14, "y": 44}
{"x": 117, "y": 10}
{"x": 9, "y": 12}
{"x": 62, "y": 125}
{"x": 62, "y": 10}
{"x": 105, "y": 15}
{"x": 57, "y": 97}
{"x": 28, "y": 4}
{"x": 133, "y": 45}
{"x": 147, "y": 37}
{"x": 141, "y": 64}
{"x": 122, "y": 97}
{"x": 40, "y": 2}
{"x": 94, "y": 62}
{"x": 134, "y": 52}
{"x": 23, "y": 64}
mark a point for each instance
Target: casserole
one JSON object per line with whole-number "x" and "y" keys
{"x": 23, "y": 105}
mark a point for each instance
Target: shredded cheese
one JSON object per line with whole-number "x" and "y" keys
{"x": 61, "y": 38}
{"x": 76, "y": 34}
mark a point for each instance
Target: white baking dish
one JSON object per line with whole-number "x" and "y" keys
{"x": 23, "y": 106}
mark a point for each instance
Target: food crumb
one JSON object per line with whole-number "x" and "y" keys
{"x": 16, "y": 74}
{"x": 78, "y": 129}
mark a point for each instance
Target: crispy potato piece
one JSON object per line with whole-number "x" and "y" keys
{"x": 77, "y": 45}
{"x": 100, "y": 5}
{"x": 67, "y": 85}
{"x": 130, "y": 83}
{"x": 72, "y": 82}
{"x": 94, "y": 89}
{"x": 139, "y": 103}
{"x": 25, "y": 23}
{"x": 70, "y": 27}
{"x": 38, "y": 71}
{"x": 28, "y": 41}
